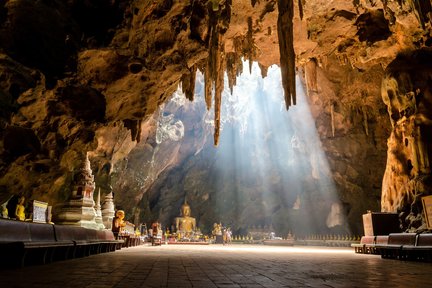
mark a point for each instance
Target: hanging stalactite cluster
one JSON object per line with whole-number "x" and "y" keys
{"x": 188, "y": 83}
{"x": 421, "y": 8}
{"x": 286, "y": 49}
{"x": 218, "y": 61}
{"x": 220, "y": 16}
{"x": 234, "y": 63}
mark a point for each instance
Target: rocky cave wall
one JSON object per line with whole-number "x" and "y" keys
{"x": 406, "y": 91}
{"x": 79, "y": 76}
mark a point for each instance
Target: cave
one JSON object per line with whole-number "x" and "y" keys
{"x": 284, "y": 117}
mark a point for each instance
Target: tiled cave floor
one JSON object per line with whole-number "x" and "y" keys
{"x": 223, "y": 266}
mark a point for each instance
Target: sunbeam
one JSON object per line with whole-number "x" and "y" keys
{"x": 269, "y": 169}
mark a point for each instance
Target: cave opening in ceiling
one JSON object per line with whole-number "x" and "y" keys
{"x": 269, "y": 169}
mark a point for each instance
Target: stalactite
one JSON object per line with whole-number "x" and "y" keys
{"x": 210, "y": 69}
{"x": 286, "y": 49}
{"x": 238, "y": 48}
{"x": 207, "y": 87}
{"x": 188, "y": 83}
{"x": 423, "y": 10}
{"x": 218, "y": 24}
{"x": 231, "y": 67}
{"x": 311, "y": 75}
{"x": 300, "y": 4}
{"x": 365, "y": 121}
{"x": 332, "y": 119}
{"x": 264, "y": 70}
{"x": 219, "y": 88}
{"x": 135, "y": 127}
{"x": 249, "y": 38}
{"x": 234, "y": 63}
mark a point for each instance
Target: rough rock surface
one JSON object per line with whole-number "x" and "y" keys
{"x": 79, "y": 76}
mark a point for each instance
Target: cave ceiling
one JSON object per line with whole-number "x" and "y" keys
{"x": 82, "y": 78}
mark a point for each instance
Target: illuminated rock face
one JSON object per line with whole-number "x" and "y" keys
{"x": 407, "y": 92}
{"x": 80, "y": 76}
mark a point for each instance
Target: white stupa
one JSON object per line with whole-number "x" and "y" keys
{"x": 108, "y": 211}
{"x": 79, "y": 209}
{"x": 98, "y": 217}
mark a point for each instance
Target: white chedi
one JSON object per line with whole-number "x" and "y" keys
{"x": 108, "y": 211}
{"x": 98, "y": 217}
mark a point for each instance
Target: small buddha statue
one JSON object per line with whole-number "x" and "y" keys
{"x": 217, "y": 232}
{"x": 118, "y": 222}
{"x": 217, "y": 229}
{"x": 4, "y": 212}
{"x": 185, "y": 223}
{"x": 20, "y": 209}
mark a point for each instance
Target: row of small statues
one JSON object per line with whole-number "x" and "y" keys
{"x": 14, "y": 208}
{"x": 333, "y": 237}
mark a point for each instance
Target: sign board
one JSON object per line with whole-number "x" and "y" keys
{"x": 427, "y": 208}
{"x": 380, "y": 223}
{"x": 367, "y": 224}
{"x": 40, "y": 211}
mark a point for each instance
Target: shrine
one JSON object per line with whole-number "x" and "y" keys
{"x": 79, "y": 209}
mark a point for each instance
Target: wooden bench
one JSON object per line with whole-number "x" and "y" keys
{"x": 422, "y": 250}
{"x": 370, "y": 244}
{"x": 24, "y": 243}
{"x": 87, "y": 241}
{"x": 380, "y": 240}
{"x": 366, "y": 242}
{"x": 107, "y": 241}
{"x": 393, "y": 249}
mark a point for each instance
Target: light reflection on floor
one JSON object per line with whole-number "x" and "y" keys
{"x": 234, "y": 265}
{"x": 262, "y": 248}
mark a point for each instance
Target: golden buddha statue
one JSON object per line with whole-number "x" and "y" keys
{"x": 185, "y": 224}
{"x": 118, "y": 222}
{"x": 20, "y": 209}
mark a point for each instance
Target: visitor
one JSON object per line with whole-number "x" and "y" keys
{"x": 156, "y": 233}
{"x": 228, "y": 235}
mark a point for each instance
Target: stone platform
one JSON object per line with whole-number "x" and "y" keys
{"x": 223, "y": 266}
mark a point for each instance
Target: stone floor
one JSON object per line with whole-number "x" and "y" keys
{"x": 223, "y": 266}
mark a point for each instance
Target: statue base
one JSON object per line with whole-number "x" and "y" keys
{"x": 77, "y": 213}
{"x": 219, "y": 239}
{"x": 84, "y": 223}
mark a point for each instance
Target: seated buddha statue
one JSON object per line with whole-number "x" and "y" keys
{"x": 118, "y": 223}
{"x": 20, "y": 209}
{"x": 185, "y": 224}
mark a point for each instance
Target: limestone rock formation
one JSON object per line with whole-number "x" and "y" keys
{"x": 89, "y": 76}
{"x": 406, "y": 90}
